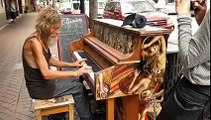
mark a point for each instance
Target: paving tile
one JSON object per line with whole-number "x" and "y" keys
{"x": 4, "y": 116}
{"x": 5, "y": 110}
{"x": 6, "y": 105}
{"x": 19, "y": 116}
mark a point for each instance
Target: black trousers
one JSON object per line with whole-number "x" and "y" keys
{"x": 77, "y": 89}
{"x": 186, "y": 102}
{"x": 13, "y": 15}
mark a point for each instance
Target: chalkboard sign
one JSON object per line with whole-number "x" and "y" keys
{"x": 73, "y": 28}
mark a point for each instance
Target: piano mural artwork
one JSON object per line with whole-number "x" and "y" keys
{"x": 128, "y": 63}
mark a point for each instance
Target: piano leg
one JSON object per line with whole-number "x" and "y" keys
{"x": 131, "y": 107}
{"x": 110, "y": 109}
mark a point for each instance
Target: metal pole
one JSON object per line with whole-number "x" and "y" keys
{"x": 92, "y": 12}
{"x": 93, "y": 9}
{"x": 82, "y": 8}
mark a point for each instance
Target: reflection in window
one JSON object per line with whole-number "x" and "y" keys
{"x": 101, "y": 5}
{"x": 118, "y": 7}
{"x": 137, "y": 7}
{"x": 129, "y": 7}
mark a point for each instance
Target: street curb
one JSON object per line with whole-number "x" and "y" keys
{"x": 3, "y": 26}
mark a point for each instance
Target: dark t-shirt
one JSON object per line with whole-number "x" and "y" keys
{"x": 38, "y": 87}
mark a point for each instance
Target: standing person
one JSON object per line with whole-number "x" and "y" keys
{"x": 13, "y": 10}
{"x": 26, "y": 9}
{"x": 43, "y": 83}
{"x": 190, "y": 99}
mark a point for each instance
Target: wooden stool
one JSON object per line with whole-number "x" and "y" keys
{"x": 55, "y": 105}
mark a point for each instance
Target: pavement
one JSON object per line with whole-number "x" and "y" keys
{"x": 15, "y": 102}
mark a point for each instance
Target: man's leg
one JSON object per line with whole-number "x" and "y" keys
{"x": 76, "y": 88}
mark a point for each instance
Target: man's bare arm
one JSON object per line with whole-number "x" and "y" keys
{"x": 43, "y": 65}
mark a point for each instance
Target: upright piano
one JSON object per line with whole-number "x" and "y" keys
{"x": 118, "y": 56}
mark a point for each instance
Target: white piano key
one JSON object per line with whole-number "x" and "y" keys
{"x": 78, "y": 57}
{"x": 92, "y": 75}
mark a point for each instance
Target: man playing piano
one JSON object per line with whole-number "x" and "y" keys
{"x": 41, "y": 81}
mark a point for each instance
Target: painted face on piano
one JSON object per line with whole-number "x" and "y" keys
{"x": 153, "y": 50}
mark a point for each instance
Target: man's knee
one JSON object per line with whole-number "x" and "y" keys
{"x": 79, "y": 87}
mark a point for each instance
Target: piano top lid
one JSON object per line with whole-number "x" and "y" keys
{"x": 147, "y": 30}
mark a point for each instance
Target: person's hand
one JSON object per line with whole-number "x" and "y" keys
{"x": 200, "y": 9}
{"x": 103, "y": 89}
{"x": 80, "y": 63}
{"x": 84, "y": 69}
{"x": 136, "y": 74}
{"x": 103, "y": 93}
{"x": 182, "y": 6}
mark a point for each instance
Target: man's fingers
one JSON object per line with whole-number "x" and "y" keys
{"x": 84, "y": 59}
{"x": 88, "y": 68}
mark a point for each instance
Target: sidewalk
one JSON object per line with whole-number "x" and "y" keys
{"x": 15, "y": 103}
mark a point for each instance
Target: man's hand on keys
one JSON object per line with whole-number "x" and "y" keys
{"x": 80, "y": 63}
{"x": 84, "y": 69}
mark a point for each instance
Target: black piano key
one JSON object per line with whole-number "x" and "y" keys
{"x": 89, "y": 61}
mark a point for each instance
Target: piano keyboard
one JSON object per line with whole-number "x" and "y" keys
{"x": 89, "y": 62}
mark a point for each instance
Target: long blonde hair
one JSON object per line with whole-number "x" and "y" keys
{"x": 47, "y": 20}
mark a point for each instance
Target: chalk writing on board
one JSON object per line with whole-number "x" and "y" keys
{"x": 72, "y": 26}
